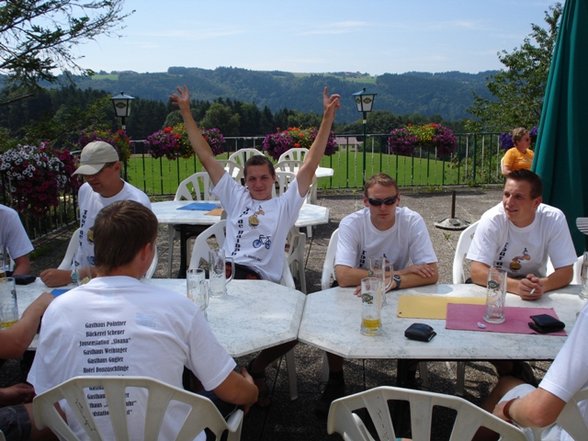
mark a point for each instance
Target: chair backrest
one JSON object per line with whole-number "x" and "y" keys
{"x": 582, "y": 224}
{"x": 241, "y": 156}
{"x": 328, "y": 274}
{"x": 468, "y": 417}
{"x": 283, "y": 180}
{"x": 571, "y": 418}
{"x": 296, "y": 154}
{"x": 195, "y": 187}
{"x": 463, "y": 245}
{"x": 289, "y": 165}
{"x": 70, "y": 252}
{"x": 153, "y": 266}
{"x": 234, "y": 169}
{"x": 214, "y": 237}
{"x": 211, "y": 238}
{"x": 114, "y": 396}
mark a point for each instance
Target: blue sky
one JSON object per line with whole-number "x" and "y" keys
{"x": 369, "y": 36}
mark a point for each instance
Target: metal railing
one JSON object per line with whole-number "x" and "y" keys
{"x": 476, "y": 161}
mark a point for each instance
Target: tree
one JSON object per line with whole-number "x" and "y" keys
{"x": 36, "y": 36}
{"x": 518, "y": 91}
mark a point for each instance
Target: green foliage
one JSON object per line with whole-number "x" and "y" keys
{"x": 37, "y": 36}
{"x": 518, "y": 90}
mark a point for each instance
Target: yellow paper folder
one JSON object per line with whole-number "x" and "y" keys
{"x": 431, "y": 307}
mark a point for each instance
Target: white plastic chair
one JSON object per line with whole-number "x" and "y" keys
{"x": 296, "y": 154}
{"x": 328, "y": 274}
{"x": 234, "y": 169}
{"x": 241, "y": 156}
{"x": 468, "y": 419}
{"x": 461, "y": 250}
{"x": 571, "y": 418}
{"x": 151, "y": 270}
{"x": 204, "y": 243}
{"x": 195, "y": 187}
{"x": 202, "y": 412}
{"x": 295, "y": 256}
{"x": 289, "y": 165}
{"x": 582, "y": 224}
{"x": 70, "y": 252}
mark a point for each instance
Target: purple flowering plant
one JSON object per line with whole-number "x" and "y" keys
{"x": 404, "y": 140}
{"x": 36, "y": 176}
{"x": 275, "y": 144}
{"x": 118, "y": 139}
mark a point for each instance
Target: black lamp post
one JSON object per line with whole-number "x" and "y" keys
{"x": 364, "y": 102}
{"x": 122, "y": 107}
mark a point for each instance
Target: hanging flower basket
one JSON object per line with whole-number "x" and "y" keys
{"x": 433, "y": 136}
{"x": 275, "y": 144}
{"x": 118, "y": 139}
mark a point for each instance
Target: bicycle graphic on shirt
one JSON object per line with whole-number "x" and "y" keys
{"x": 263, "y": 240}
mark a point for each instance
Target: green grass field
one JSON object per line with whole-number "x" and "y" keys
{"x": 162, "y": 176}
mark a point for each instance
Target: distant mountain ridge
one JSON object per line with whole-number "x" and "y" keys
{"x": 447, "y": 94}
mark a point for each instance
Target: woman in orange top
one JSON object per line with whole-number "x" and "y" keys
{"x": 520, "y": 156}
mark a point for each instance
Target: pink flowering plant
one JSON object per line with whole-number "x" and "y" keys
{"x": 118, "y": 139}
{"x": 404, "y": 140}
{"x": 164, "y": 142}
{"x": 173, "y": 142}
{"x": 294, "y": 137}
{"x": 36, "y": 176}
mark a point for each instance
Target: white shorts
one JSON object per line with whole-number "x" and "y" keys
{"x": 549, "y": 433}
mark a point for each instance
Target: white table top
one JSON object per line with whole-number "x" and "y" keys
{"x": 167, "y": 213}
{"x": 254, "y": 315}
{"x": 331, "y": 321}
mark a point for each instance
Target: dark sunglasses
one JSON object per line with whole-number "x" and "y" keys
{"x": 388, "y": 201}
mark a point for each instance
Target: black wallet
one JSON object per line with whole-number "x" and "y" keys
{"x": 420, "y": 332}
{"x": 24, "y": 279}
{"x": 545, "y": 323}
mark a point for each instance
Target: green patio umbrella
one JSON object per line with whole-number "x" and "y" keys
{"x": 561, "y": 154}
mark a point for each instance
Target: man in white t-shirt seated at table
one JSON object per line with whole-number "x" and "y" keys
{"x": 159, "y": 332}
{"x": 101, "y": 168}
{"x": 15, "y": 241}
{"x": 519, "y": 235}
{"x": 254, "y": 216}
{"x": 380, "y": 229}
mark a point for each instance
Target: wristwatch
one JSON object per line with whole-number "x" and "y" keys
{"x": 396, "y": 279}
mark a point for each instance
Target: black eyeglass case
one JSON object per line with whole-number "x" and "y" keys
{"x": 420, "y": 332}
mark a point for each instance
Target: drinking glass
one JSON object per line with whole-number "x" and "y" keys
{"x": 217, "y": 272}
{"x": 371, "y": 305}
{"x": 197, "y": 287}
{"x": 8, "y": 305}
{"x": 4, "y": 261}
{"x": 584, "y": 277}
{"x": 495, "y": 296}
{"x": 382, "y": 268}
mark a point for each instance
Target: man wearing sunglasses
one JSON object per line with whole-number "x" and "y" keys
{"x": 380, "y": 229}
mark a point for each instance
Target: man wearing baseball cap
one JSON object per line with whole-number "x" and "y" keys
{"x": 100, "y": 167}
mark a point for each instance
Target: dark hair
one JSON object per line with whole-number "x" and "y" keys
{"x": 382, "y": 179}
{"x": 530, "y": 177}
{"x": 259, "y": 160}
{"x": 121, "y": 230}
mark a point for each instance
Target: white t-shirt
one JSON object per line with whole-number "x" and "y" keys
{"x": 90, "y": 204}
{"x": 12, "y": 234}
{"x": 121, "y": 326}
{"x": 521, "y": 251}
{"x": 406, "y": 242}
{"x": 257, "y": 230}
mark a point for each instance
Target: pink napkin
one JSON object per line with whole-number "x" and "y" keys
{"x": 466, "y": 318}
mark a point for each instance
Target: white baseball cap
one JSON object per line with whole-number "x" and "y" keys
{"x": 95, "y": 156}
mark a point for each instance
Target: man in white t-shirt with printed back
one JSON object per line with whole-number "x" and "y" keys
{"x": 380, "y": 229}
{"x": 100, "y": 166}
{"x": 118, "y": 325}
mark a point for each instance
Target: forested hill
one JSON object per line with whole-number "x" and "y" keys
{"x": 447, "y": 94}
